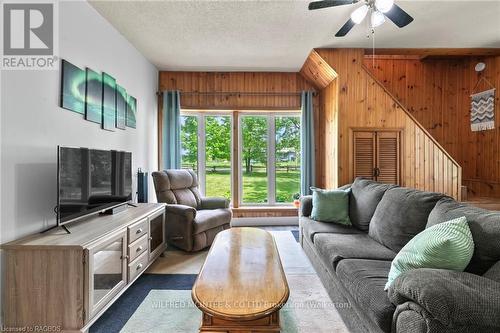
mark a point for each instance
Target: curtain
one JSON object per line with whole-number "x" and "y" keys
{"x": 171, "y": 134}
{"x": 307, "y": 168}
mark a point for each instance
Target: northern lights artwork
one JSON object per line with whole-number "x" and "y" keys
{"x": 97, "y": 97}
{"x": 93, "y": 97}
{"x": 72, "y": 88}
{"x": 108, "y": 102}
{"x": 121, "y": 106}
{"x": 131, "y": 111}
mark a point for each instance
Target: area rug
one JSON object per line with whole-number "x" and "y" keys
{"x": 174, "y": 311}
{"x": 160, "y": 300}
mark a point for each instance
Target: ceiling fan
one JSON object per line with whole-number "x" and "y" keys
{"x": 379, "y": 9}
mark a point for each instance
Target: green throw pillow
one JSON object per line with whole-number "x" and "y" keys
{"x": 331, "y": 206}
{"x": 447, "y": 245}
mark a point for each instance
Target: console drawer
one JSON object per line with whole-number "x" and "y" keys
{"x": 138, "y": 247}
{"x": 137, "y": 266}
{"x": 137, "y": 230}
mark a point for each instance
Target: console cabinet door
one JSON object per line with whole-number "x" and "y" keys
{"x": 156, "y": 234}
{"x": 106, "y": 271}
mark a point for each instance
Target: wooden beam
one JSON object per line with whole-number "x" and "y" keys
{"x": 317, "y": 71}
{"x": 392, "y": 57}
{"x": 438, "y": 52}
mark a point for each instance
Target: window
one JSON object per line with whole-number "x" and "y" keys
{"x": 287, "y": 132}
{"x": 266, "y": 161}
{"x": 206, "y": 148}
{"x": 218, "y": 156}
{"x": 254, "y": 137}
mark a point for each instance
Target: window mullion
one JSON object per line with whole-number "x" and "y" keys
{"x": 201, "y": 154}
{"x": 271, "y": 150}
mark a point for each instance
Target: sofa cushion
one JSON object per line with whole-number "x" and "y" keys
{"x": 401, "y": 214}
{"x": 208, "y": 219}
{"x": 310, "y": 228}
{"x": 336, "y": 247}
{"x": 364, "y": 280}
{"x": 364, "y": 199}
{"x": 447, "y": 245}
{"x": 330, "y": 206}
{"x": 494, "y": 272}
{"x": 484, "y": 226}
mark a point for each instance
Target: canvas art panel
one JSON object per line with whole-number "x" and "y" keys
{"x": 131, "y": 111}
{"x": 108, "y": 102}
{"x": 121, "y": 106}
{"x": 93, "y": 97}
{"x": 72, "y": 87}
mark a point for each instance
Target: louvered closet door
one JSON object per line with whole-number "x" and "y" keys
{"x": 364, "y": 154}
{"x": 388, "y": 160}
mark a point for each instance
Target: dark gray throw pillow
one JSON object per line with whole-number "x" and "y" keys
{"x": 365, "y": 197}
{"x": 484, "y": 226}
{"x": 401, "y": 214}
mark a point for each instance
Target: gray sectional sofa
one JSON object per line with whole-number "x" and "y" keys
{"x": 353, "y": 263}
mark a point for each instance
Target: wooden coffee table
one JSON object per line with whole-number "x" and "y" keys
{"x": 241, "y": 286}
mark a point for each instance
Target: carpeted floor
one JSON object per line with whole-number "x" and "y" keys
{"x": 160, "y": 300}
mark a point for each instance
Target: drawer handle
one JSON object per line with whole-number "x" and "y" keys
{"x": 138, "y": 267}
{"x": 139, "y": 231}
{"x": 139, "y": 249}
{"x": 124, "y": 257}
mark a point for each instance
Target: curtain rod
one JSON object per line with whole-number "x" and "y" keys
{"x": 236, "y": 93}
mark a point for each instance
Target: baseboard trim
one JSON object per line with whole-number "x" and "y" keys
{"x": 264, "y": 221}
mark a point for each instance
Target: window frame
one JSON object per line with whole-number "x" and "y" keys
{"x": 202, "y": 161}
{"x": 237, "y": 187}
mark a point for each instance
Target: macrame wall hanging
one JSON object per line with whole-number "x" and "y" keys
{"x": 482, "y": 111}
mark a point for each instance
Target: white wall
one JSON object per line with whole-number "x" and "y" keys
{"x": 32, "y": 123}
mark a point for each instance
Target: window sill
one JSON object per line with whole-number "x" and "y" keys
{"x": 264, "y": 211}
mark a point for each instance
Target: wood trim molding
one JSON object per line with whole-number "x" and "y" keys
{"x": 317, "y": 71}
{"x": 441, "y": 52}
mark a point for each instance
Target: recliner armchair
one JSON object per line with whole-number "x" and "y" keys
{"x": 192, "y": 221}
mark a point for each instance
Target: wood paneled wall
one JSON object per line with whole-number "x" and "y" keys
{"x": 236, "y": 90}
{"x": 364, "y": 103}
{"x": 327, "y": 164}
{"x": 437, "y": 93}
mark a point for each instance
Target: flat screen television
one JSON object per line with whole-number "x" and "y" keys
{"x": 91, "y": 181}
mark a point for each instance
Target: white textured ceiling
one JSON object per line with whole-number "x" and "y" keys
{"x": 278, "y": 35}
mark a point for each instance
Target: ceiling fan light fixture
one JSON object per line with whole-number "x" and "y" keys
{"x": 384, "y": 5}
{"x": 359, "y": 14}
{"x": 377, "y": 19}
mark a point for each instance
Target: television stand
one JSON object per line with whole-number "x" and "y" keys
{"x": 69, "y": 273}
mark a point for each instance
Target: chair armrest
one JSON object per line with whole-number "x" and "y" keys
{"x": 186, "y": 211}
{"x": 452, "y": 298}
{"x": 305, "y": 205}
{"x": 214, "y": 203}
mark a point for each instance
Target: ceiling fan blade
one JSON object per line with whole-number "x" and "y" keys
{"x": 345, "y": 28}
{"x": 330, "y": 3}
{"x": 399, "y": 16}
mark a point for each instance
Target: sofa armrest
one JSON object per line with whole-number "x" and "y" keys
{"x": 187, "y": 212}
{"x": 214, "y": 203}
{"x": 455, "y": 299}
{"x": 305, "y": 205}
